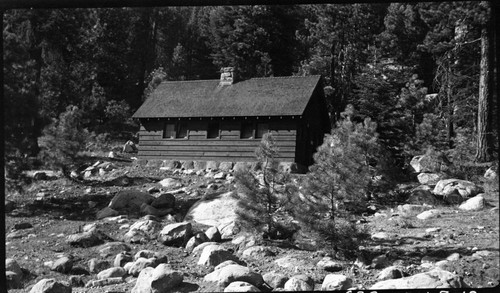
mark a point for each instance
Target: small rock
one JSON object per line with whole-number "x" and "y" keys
{"x": 176, "y": 234}
{"x": 381, "y": 236}
{"x": 329, "y": 265}
{"x": 380, "y": 261}
{"x": 106, "y": 212}
{"x": 453, "y": 257}
{"x": 429, "y": 214}
{"x": 476, "y": 203}
{"x": 51, "y": 286}
{"x": 13, "y": 280}
{"x": 213, "y": 234}
{"x": 213, "y": 255}
{"x": 13, "y": 266}
{"x": 144, "y": 254}
{"x": 392, "y": 272}
{"x": 220, "y": 175}
{"x": 299, "y": 283}
{"x": 232, "y": 273}
{"x": 240, "y": 286}
{"x": 104, "y": 282}
{"x": 140, "y": 264}
{"x": 196, "y": 240}
{"x": 21, "y": 226}
{"x": 115, "y": 272}
{"x": 334, "y": 282}
{"x": 63, "y": 265}
{"x": 275, "y": 280}
{"x": 95, "y": 265}
{"x": 112, "y": 248}
{"x": 257, "y": 252}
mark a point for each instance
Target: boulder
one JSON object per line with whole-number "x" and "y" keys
{"x": 164, "y": 201}
{"x": 212, "y": 165}
{"x": 335, "y": 282}
{"x": 95, "y": 265}
{"x": 106, "y": 212}
{"x": 141, "y": 264}
{"x": 392, "y": 272}
{"x": 112, "y": 248}
{"x": 491, "y": 174}
{"x": 13, "y": 266}
{"x": 436, "y": 278}
{"x": 329, "y": 265}
{"x": 429, "y": 214}
{"x": 476, "y": 203}
{"x": 239, "y": 286}
{"x": 219, "y": 211}
{"x": 226, "y": 166}
{"x": 421, "y": 196}
{"x": 63, "y": 265}
{"x": 213, "y": 255}
{"x": 129, "y": 147}
{"x": 465, "y": 188}
{"x": 275, "y": 280}
{"x": 299, "y": 283}
{"x": 429, "y": 178}
{"x": 380, "y": 261}
{"x": 382, "y": 236}
{"x": 412, "y": 209}
{"x": 176, "y": 234}
{"x": 51, "y": 286}
{"x": 171, "y": 183}
{"x": 9, "y": 206}
{"x": 231, "y": 273}
{"x": 13, "y": 280}
{"x": 89, "y": 238}
{"x": 115, "y": 272}
{"x": 257, "y": 252}
{"x": 157, "y": 280}
{"x": 144, "y": 253}
{"x": 425, "y": 163}
{"x": 199, "y": 249}
{"x": 213, "y": 234}
{"x": 196, "y": 240}
{"x": 130, "y": 200}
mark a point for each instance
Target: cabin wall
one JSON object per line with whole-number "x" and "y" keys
{"x": 228, "y": 147}
{"x": 311, "y": 129}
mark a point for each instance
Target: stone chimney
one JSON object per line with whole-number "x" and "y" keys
{"x": 226, "y": 76}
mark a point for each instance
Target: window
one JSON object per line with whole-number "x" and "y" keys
{"x": 247, "y": 130}
{"x": 262, "y": 128}
{"x": 182, "y": 130}
{"x": 213, "y": 130}
{"x": 175, "y": 130}
{"x": 169, "y": 130}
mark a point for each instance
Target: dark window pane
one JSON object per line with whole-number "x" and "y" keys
{"x": 213, "y": 130}
{"x": 182, "y": 131}
{"x": 169, "y": 130}
{"x": 262, "y": 128}
{"x": 246, "y": 130}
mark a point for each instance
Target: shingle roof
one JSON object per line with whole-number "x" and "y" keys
{"x": 273, "y": 96}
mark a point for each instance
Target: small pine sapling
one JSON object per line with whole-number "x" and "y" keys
{"x": 262, "y": 197}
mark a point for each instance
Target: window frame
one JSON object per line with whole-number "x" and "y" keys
{"x": 257, "y": 136}
{"x": 251, "y": 125}
{"x": 218, "y": 130}
{"x": 176, "y": 131}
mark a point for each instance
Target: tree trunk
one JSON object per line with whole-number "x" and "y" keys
{"x": 484, "y": 131}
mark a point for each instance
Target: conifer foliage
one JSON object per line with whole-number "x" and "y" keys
{"x": 63, "y": 139}
{"x": 339, "y": 180}
{"x": 263, "y": 197}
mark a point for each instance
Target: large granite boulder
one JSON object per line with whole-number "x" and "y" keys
{"x": 219, "y": 212}
{"x": 130, "y": 201}
{"x": 464, "y": 188}
{"x": 436, "y": 278}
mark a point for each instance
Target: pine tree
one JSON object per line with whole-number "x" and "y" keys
{"x": 339, "y": 180}
{"x": 263, "y": 197}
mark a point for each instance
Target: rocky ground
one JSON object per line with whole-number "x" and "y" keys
{"x": 137, "y": 228}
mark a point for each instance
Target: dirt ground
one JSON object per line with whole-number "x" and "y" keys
{"x": 68, "y": 206}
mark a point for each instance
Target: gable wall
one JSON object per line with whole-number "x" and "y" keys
{"x": 229, "y": 147}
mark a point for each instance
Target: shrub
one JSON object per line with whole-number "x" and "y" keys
{"x": 63, "y": 139}
{"x": 263, "y": 197}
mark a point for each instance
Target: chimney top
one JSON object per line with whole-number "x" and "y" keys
{"x": 226, "y": 76}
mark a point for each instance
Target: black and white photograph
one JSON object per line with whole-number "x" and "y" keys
{"x": 239, "y": 146}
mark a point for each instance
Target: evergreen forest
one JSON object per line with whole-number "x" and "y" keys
{"x": 425, "y": 73}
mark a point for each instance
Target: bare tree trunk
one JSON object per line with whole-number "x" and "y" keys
{"x": 484, "y": 131}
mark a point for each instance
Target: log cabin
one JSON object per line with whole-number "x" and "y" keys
{"x": 225, "y": 119}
